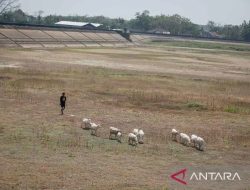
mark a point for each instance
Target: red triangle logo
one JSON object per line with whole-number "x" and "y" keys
{"x": 183, "y": 172}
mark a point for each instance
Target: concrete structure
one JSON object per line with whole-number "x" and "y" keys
{"x": 46, "y": 37}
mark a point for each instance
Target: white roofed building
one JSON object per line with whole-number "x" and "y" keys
{"x": 85, "y": 25}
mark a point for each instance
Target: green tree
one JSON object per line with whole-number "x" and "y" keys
{"x": 17, "y": 16}
{"x": 8, "y": 5}
{"x": 142, "y": 21}
{"x": 231, "y": 32}
{"x": 246, "y": 31}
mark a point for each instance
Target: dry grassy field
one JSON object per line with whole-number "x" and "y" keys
{"x": 156, "y": 88}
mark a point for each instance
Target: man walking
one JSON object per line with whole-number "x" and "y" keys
{"x": 63, "y": 102}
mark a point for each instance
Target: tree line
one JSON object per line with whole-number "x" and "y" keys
{"x": 175, "y": 24}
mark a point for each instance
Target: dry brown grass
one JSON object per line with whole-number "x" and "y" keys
{"x": 42, "y": 150}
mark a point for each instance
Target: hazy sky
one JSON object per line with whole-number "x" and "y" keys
{"x": 199, "y": 11}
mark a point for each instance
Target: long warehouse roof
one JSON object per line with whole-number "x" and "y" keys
{"x": 81, "y": 24}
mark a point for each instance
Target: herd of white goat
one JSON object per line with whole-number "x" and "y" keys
{"x": 137, "y": 135}
{"x": 194, "y": 140}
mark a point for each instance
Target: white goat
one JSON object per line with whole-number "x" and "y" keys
{"x": 119, "y": 137}
{"x": 86, "y": 124}
{"x": 140, "y": 136}
{"x": 174, "y": 134}
{"x": 113, "y": 131}
{"x": 136, "y": 131}
{"x": 200, "y": 144}
{"x": 184, "y": 139}
{"x": 194, "y": 140}
{"x": 94, "y": 127}
{"x": 132, "y": 139}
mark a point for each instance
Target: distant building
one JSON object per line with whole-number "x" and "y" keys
{"x": 205, "y": 32}
{"x": 159, "y": 31}
{"x": 211, "y": 35}
{"x": 84, "y": 25}
{"x": 125, "y": 30}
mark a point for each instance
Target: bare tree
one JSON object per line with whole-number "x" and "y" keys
{"x": 8, "y": 5}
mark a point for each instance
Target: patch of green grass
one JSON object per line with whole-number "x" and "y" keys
{"x": 195, "y": 105}
{"x": 232, "y": 109}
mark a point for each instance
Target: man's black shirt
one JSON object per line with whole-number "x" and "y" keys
{"x": 62, "y": 101}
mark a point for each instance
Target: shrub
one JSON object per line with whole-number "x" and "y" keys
{"x": 232, "y": 109}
